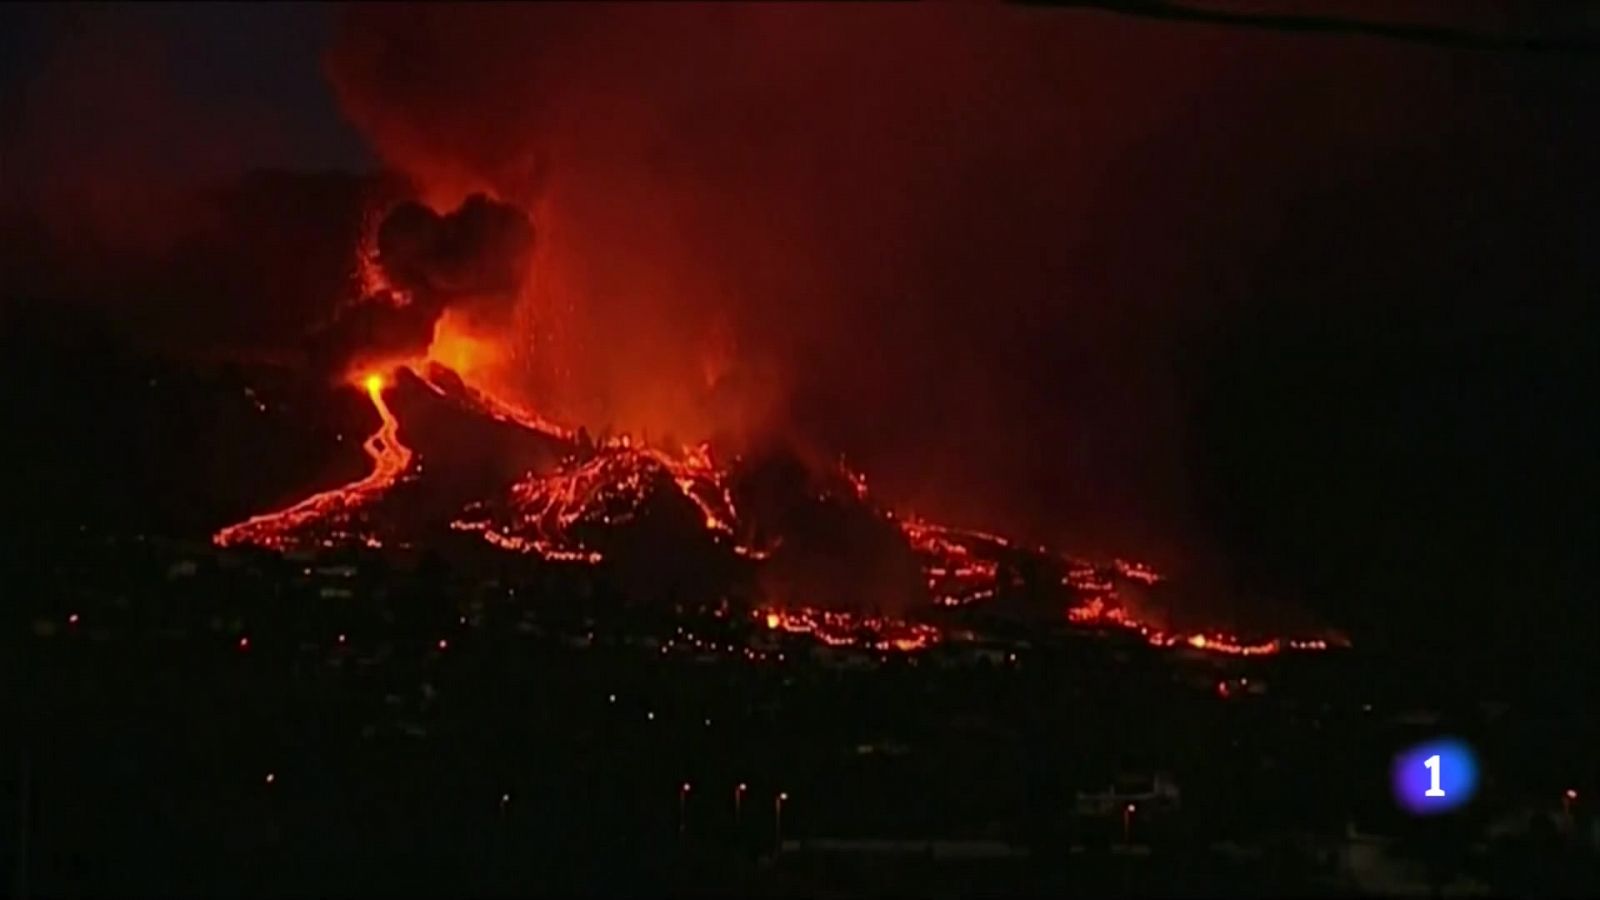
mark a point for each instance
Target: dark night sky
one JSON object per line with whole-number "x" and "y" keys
{"x": 261, "y": 59}
{"x": 1309, "y": 316}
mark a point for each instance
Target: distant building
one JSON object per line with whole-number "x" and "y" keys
{"x": 1157, "y": 792}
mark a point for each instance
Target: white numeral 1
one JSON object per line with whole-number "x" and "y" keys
{"x": 1432, "y": 763}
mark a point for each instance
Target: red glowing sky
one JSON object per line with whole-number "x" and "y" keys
{"x": 1078, "y": 275}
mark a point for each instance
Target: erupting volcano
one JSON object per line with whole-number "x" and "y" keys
{"x": 808, "y": 544}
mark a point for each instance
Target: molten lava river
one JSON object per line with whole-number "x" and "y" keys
{"x": 551, "y": 514}
{"x": 390, "y": 459}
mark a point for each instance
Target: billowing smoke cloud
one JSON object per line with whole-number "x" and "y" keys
{"x": 1015, "y": 261}
{"x": 480, "y": 250}
{"x": 472, "y": 261}
{"x": 957, "y": 242}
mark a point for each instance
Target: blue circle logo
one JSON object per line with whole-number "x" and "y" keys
{"x": 1435, "y": 776}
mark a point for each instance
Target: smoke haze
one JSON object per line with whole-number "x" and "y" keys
{"x": 961, "y": 243}
{"x": 1312, "y": 308}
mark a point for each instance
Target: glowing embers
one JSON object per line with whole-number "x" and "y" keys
{"x": 848, "y": 629}
{"x": 332, "y": 511}
{"x": 1136, "y": 572}
{"x": 555, "y": 515}
{"x": 1098, "y": 612}
{"x": 956, "y": 573}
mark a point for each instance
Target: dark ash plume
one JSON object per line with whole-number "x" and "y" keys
{"x": 473, "y": 259}
{"x": 480, "y": 250}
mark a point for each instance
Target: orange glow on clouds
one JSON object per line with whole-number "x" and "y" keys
{"x": 472, "y": 356}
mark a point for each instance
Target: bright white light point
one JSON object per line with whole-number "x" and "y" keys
{"x": 271, "y": 777}
{"x": 505, "y": 798}
{"x": 650, "y": 715}
{"x": 611, "y": 698}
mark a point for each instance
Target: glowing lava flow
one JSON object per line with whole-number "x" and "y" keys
{"x": 569, "y": 514}
{"x": 390, "y": 459}
{"x": 1097, "y": 613}
{"x": 549, "y": 513}
{"x": 554, "y": 515}
{"x": 962, "y": 567}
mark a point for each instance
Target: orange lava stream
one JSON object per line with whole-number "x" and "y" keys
{"x": 547, "y": 512}
{"x": 607, "y": 485}
{"x": 390, "y": 459}
{"x": 1095, "y": 612}
{"x": 960, "y": 568}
